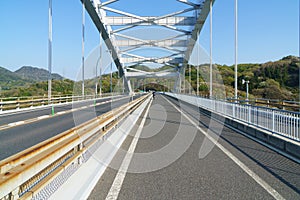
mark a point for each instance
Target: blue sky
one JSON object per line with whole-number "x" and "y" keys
{"x": 268, "y": 30}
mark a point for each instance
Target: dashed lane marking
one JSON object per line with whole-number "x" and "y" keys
{"x": 43, "y": 117}
{"x": 13, "y": 124}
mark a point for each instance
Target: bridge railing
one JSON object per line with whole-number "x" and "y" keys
{"x": 15, "y": 103}
{"x": 26, "y": 173}
{"x": 270, "y": 103}
{"x": 280, "y": 122}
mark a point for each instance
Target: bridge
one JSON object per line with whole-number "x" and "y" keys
{"x": 132, "y": 144}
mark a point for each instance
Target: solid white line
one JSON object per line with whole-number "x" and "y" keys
{"x": 20, "y": 122}
{"x": 12, "y": 124}
{"x": 117, "y": 184}
{"x": 246, "y": 169}
{"x": 62, "y": 112}
{"x": 43, "y": 117}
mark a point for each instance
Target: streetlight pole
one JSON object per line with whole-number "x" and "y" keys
{"x": 197, "y": 65}
{"x": 50, "y": 52}
{"x": 236, "y": 50}
{"x": 82, "y": 49}
{"x": 210, "y": 66}
{"x": 247, "y": 88}
{"x": 100, "y": 84}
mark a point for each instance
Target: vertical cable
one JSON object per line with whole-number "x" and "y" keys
{"x": 197, "y": 65}
{"x": 210, "y": 66}
{"x": 100, "y": 66}
{"x": 236, "y": 49}
{"x": 111, "y": 77}
{"x": 50, "y": 51}
{"x": 83, "y": 29}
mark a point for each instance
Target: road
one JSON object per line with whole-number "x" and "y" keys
{"x": 23, "y": 136}
{"x": 236, "y": 167}
{"x": 37, "y": 112}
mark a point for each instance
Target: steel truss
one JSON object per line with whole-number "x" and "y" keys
{"x": 120, "y": 45}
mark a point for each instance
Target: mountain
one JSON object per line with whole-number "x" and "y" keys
{"x": 10, "y": 79}
{"x": 6, "y": 75}
{"x": 22, "y": 78}
{"x": 36, "y": 74}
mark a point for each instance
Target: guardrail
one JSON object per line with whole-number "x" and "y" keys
{"x": 15, "y": 103}
{"x": 270, "y": 103}
{"x": 27, "y": 172}
{"x": 280, "y": 122}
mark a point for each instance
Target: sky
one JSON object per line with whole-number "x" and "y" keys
{"x": 267, "y": 31}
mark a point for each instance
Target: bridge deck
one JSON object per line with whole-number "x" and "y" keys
{"x": 168, "y": 165}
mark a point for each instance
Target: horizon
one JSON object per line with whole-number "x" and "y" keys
{"x": 53, "y": 72}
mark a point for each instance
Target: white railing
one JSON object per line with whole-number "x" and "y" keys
{"x": 16, "y": 103}
{"x": 270, "y": 103}
{"x": 281, "y": 122}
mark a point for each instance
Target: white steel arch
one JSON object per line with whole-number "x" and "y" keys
{"x": 186, "y": 23}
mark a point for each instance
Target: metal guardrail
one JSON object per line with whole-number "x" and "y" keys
{"x": 281, "y": 122}
{"x": 15, "y": 103}
{"x": 27, "y": 172}
{"x": 270, "y": 103}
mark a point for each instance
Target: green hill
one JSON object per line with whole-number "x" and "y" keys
{"x": 273, "y": 80}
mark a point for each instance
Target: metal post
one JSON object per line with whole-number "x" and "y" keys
{"x": 190, "y": 79}
{"x": 236, "y": 50}
{"x": 111, "y": 78}
{"x": 183, "y": 81}
{"x": 100, "y": 66}
{"x": 96, "y": 81}
{"x": 197, "y": 71}
{"x": 133, "y": 84}
{"x": 123, "y": 87}
{"x": 273, "y": 121}
{"x": 50, "y": 52}
{"x": 247, "y": 90}
{"x": 210, "y": 67}
{"x": 83, "y": 28}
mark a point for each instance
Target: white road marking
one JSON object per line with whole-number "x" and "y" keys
{"x": 117, "y": 184}
{"x": 43, "y": 117}
{"x": 19, "y": 123}
{"x": 62, "y": 112}
{"x": 246, "y": 169}
{"x": 11, "y": 124}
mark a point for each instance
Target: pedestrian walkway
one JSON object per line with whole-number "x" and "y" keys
{"x": 163, "y": 159}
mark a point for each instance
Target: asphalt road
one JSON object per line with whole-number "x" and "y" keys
{"x": 37, "y": 112}
{"x": 18, "y": 138}
{"x": 214, "y": 176}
